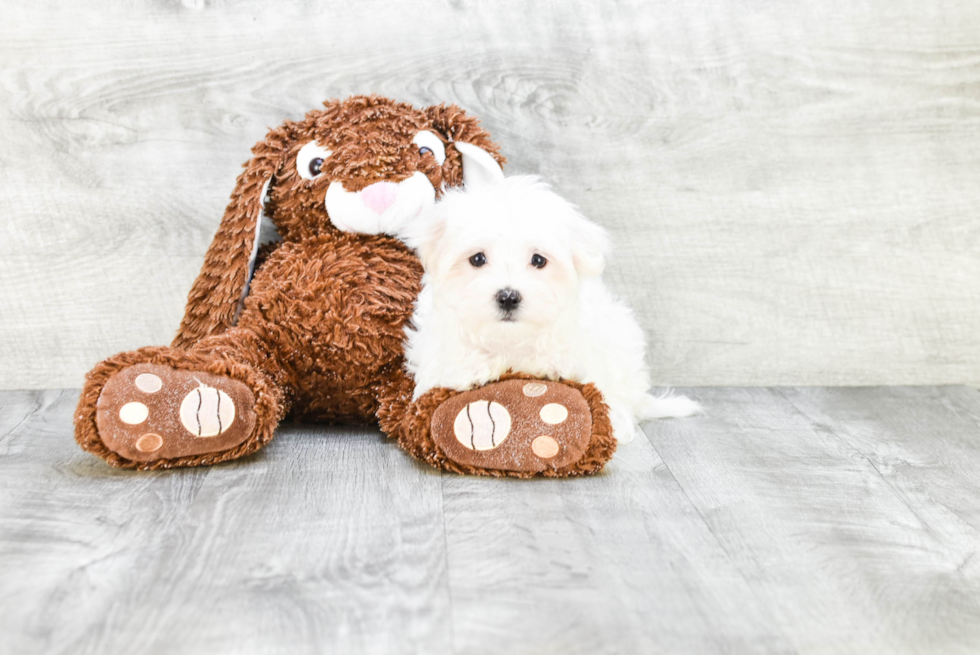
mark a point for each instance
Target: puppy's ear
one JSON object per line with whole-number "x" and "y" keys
{"x": 590, "y": 244}
{"x": 215, "y": 298}
{"x": 470, "y": 154}
{"x": 424, "y": 234}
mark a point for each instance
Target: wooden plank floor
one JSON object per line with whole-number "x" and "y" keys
{"x": 787, "y": 520}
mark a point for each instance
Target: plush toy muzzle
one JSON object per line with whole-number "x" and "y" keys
{"x": 388, "y": 207}
{"x": 382, "y": 207}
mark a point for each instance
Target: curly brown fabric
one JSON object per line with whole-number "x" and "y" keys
{"x": 414, "y": 436}
{"x": 319, "y": 336}
{"x": 268, "y": 405}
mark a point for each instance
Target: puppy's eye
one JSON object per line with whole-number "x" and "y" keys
{"x": 537, "y": 261}
{"x": 309, "y": 160}
{"x": 429, "y": 143}
{"x": 478, "y": 260}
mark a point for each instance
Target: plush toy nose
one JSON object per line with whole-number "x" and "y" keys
{"x": 508, "y": 299}
{"x": 379, "y": 196}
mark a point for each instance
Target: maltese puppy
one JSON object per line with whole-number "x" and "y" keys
{"x": 512, "y": 283}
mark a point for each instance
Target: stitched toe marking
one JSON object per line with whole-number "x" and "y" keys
{"x": 149, "y": 443}
{"x": 133, "y": 413}
{"x": 544, "y": 447}
{"x": 534, "y": 389}
{"x": 206, "y": 411}
{"x": 553, "y": 413}
{"x": 148, "y": 383}
{"x": 482, "y": 425}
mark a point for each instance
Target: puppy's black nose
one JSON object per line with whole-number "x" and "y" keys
{"x": 508, "y": 299}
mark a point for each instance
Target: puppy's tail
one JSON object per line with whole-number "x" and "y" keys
{"x": 668, "y": 405}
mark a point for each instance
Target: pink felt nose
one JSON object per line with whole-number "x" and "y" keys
{"x": 380, "y": 196}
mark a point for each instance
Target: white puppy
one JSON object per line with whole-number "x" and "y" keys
{"x": 512, "y": 283}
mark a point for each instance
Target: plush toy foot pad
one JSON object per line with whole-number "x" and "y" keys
{"x": 149, "y": 411}
{"x": 514, "y": 425}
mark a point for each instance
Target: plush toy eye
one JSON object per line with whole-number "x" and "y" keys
{"x": 430, "y": 143}
{"x": 309, "y": 160}
{"x": 478, "y": 260}
{"x": 537, "y": 261}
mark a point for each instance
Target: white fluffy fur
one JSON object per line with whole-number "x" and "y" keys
{"x": 567, "y": 325}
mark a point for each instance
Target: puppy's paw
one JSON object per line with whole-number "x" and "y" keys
{"x": 668, "y": 406}
{"x": 527, "y": 426}
{"x": 149, "y": 412}
{"x": 623, "y": 424}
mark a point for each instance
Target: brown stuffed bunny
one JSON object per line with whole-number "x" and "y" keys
{"x": 312, "y": 326}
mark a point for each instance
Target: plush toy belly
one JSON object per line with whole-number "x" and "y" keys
{"x": 332, "y": 310}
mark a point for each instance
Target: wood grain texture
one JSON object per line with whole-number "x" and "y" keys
{"x": 845, "y": 509}
{"x": 330, "y": 537}
{"x": 792, "y": 186}
{"x": 786, "y": 520}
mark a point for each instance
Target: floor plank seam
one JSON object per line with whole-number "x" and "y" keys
{"x": 39, "y": 406}
{"x": 842, "y": 520}
{"x": 956, "y": 405}
{"x": 701, "y": 516}
{"x": 732, "y": 561}
{"x": 445, "y": 545}
{"x": 898, "y": 493}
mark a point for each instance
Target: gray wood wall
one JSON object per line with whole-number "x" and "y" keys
{"x": 792, "y": 185}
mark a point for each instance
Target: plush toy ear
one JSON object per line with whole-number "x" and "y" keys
{"x": 215, "y": 298}
{"x": 479, "y": 167}
{"x": 424, "y": 235}
{"x": 460, "y": 129}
